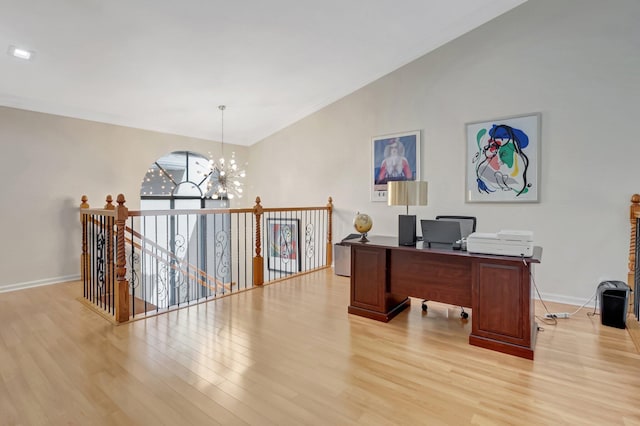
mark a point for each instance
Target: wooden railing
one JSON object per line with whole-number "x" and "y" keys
{"x": 149, "y": 261}
{"x": 632, "y": 323}
{"x": 634, "y": 218}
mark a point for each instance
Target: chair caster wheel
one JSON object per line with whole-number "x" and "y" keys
{"x": 424, "y": 307}
{"x": 464, "y": 315}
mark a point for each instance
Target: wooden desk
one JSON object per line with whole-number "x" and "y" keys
{"x": 496, "y": 288}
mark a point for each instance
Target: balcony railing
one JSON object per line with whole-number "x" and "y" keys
{"x": 140, "y": 262}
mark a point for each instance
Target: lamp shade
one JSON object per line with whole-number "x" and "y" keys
{"x": 407, "y": 193}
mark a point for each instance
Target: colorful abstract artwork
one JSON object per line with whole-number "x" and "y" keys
{"x": 503, "y": 160}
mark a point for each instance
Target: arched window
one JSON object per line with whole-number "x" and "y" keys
{"x": 179, "y": 180}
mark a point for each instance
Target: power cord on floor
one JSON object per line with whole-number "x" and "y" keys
{"x": 548, "y": 321}
{"x": 552, "y": 318}
{"x": 589, "y": 314}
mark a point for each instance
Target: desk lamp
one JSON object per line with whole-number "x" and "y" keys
{"x": 407, "y": 193}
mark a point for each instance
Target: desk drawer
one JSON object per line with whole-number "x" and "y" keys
{"x": 440, "y": 278}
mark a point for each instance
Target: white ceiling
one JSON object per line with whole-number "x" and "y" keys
{"x": 166, "y": 65}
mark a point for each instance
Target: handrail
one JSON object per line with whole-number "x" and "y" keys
{"x": 213, "y": 211}
{"x": 633, "y": 319}
{"x": 634, "y": 213}
{"x": 634, "y": 216}
{"x": 164, "y": 251}
{"x": 290, "y": 209}
{"x": 177, "y": 264}
{"x": 109, "y": 210}
{"x": 186, "y": 211}
{"x": 99, "y": 212}
{"x": 113, "y": 227}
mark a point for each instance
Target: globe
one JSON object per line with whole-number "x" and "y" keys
{"x": 362, "y": 223}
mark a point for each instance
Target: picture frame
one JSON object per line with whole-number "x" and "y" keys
{"x": 393, "y": 157}
{"x": 503, "y": 160}
{"x": 283, "y": 245}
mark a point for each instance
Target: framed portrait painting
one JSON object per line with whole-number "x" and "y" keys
{"x": 393, "y": 157}
{"x": 283, "y": 245}
{"x": 503, "y": 160}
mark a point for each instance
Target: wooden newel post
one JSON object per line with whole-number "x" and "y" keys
{"x": 258, "y": 260}
{"x": 109, "y": 203}
{"x": 329, "y": 232}
{"x": 634, "y": 213}
{"x": 84, "y": 257}
{"x": 84, "y": 204}
{"x": 122, "y": 285}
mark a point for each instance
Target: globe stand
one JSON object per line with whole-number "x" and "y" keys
{"x": 362, "y": 223}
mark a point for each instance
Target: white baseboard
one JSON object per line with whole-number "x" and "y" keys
{"x": 38, "y": 283}
{"x": 568, "y": 300}
{"x": 550, "y": 297}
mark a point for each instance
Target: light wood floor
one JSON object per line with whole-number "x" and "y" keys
{"x": 289, "y": 354}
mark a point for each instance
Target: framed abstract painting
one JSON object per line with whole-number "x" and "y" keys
{"x": 503, "y": 160}
{"x": 393, "y": 157}
{"x": 283, "y": 245}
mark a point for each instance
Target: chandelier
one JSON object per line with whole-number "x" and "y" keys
{"x": 224, "y": 183}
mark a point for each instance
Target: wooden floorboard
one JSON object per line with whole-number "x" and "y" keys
{"x": 633, "y": 327}
{"x": 289, "y": 354}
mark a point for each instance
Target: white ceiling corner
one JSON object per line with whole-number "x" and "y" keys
{"x": 165, "y": 65}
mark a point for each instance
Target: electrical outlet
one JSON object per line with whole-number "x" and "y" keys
{"x": 557, "y": 315}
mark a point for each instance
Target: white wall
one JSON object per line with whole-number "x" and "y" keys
{"x": 48, "y": 162}
{"x": 574, "y": 61}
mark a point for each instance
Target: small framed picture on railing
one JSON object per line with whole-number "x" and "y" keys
{"x": 283, "y": 245}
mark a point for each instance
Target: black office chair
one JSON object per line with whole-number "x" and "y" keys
{"x": 467, "y": 226}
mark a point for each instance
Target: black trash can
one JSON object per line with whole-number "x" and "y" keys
{"x": 613, "y": 297}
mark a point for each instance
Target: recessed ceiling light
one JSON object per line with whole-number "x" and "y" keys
{"x": 20, "y": 53}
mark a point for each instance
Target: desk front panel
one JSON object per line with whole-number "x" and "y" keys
{"x": 368, "y": 275}
{"x": 370, "y": 295}
{"x": 503, "y": 307}
{"x": 431, "y": 275}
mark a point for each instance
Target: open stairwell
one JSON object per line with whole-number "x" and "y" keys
{"x": 145, "y": 262}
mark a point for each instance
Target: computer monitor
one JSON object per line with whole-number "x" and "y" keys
{"x": 467, "y": 223}
{"x": 440, "y": 232}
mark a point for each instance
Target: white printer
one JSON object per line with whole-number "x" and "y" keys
{"x": 506, "y": 242}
